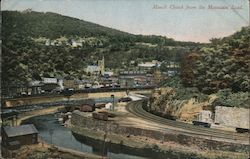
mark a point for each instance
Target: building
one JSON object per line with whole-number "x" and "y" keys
{"x": 149, "y": 65}
{"x": 132, "y": 74}
{"x": 14, "y": 137}
{"x": 36, "y": 87}
{"x": 70, "y": 84}
{"x": 126, "y": 82}
{"x": 49, "y": 80}
{"x": 98, "y": 69}
{"x": 76, "y": 43}
{"x": 101, "y": 65}
{"x": 13, "y": 90}
{"x": 133, "y": 78}
{"x": 92, "y": 69}
{"x": 108, "y": 73}
{"x": 172, "y": 68}
{"x": 232, "y": 117}
{"x": 47, "y": 42}
{"x": 205, "y": 116}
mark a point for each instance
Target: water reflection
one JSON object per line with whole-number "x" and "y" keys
{"x": 52, "y": 132}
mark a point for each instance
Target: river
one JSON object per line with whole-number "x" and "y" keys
{"x": 51, "y": 131}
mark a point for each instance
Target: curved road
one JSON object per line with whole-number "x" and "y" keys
{"x": 188, "y": 129}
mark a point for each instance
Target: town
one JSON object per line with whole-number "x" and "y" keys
{"x": 121, "y": 80}
{"x": 97, "y": 76}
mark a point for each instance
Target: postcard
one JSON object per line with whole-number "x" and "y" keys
{"x": 123, "y": 79}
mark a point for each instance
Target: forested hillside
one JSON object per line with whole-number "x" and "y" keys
{"x": 217, "y": 74}
{"x": 225, "y": 64}
{"x": 26, "y": 57}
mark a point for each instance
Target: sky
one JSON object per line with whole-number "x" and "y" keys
{"x": 183, "y": 20}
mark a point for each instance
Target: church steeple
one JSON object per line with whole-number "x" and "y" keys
{"x": 101, "y": 65}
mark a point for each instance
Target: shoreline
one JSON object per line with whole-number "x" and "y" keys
{"x": 47, "y": 148}
{"x": 159, "y": 147}
{"x": 132, "y": 141}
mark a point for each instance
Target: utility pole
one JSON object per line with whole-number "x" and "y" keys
{"x": 113, "y": 100}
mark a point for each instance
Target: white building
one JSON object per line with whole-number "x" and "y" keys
{"x": 149, "y": 65}
{"x": 96, "y": 69}
{"x": 205, "y": 116}
{"x": 50, "y": 80}
{"x": 92, "y": 69}
{"x": 47, "y": 43}
{"x": 109, "y": 73}
{"x": 76, "y": 44}
{"x": 232, "y": 116}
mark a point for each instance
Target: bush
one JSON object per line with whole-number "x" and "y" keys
{"x": 227, "y": 98}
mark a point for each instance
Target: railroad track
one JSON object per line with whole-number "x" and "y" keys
{"x": 188, "y": 129}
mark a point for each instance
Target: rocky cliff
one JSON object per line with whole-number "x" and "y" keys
{"x": 164, "y": 101}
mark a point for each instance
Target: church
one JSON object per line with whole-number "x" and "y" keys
{"x": 98, "y": 69}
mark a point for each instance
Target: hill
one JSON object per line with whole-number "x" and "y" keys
{"x": 217, "y": 73}
{"x": 53, "y": 26}
{"x": 27, "y": 56}
{"x": 224, "y": 64}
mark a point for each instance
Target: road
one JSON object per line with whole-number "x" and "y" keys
{"x": 187, "y": 129}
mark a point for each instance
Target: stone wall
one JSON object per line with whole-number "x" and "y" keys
{"x": 232, "y": 116}
{"x": 110, "y": 126}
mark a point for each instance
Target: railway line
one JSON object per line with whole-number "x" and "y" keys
{"x": 136, "y": 108}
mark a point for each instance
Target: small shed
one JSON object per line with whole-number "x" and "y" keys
{"x": 14, "y": 137}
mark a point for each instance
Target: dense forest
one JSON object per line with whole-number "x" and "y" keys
{"x": 26, "y": 57}
{"x": 225, "y": 63}
{"x": 221, "y": 68}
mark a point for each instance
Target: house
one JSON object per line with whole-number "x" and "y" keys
{"x": 14, "y": 137}
{"x": 108, "y": 74}
{"x": 50, "y": 80}
{"x": 149, "y": 65}
{"x": 36, "y": 87}
{"x": 76, "y": 43}
{"x": 47, "y": 43}
{"x": 51, "y": 83}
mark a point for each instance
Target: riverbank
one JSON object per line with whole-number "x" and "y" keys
{"x": 134, "y": 142}
{"x": 43, "y": 149}
{"x": 26, "y": 115}
{"x": 160, "y": 147}
{"x": 116, "y": 132}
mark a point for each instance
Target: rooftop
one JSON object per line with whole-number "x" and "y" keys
{"x": 20, "y": 130}
{"x": 133, "y": 73}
